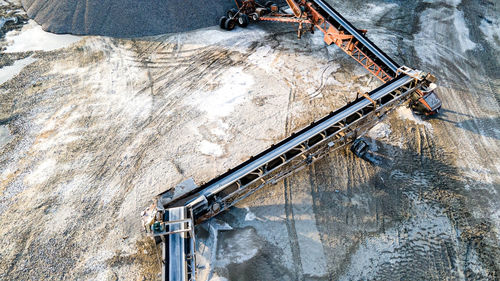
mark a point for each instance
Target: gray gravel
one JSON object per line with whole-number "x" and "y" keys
{"x": 125, "y": 18}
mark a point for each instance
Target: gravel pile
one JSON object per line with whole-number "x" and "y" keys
{"x": 125, "y": 18}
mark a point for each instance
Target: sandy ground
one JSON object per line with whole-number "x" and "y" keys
{"x": 91, "y": 128}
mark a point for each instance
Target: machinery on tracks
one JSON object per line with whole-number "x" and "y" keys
{"x": 174, "y": 214}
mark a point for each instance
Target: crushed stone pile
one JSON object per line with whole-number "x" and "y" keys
{"x": 125, "y": 18}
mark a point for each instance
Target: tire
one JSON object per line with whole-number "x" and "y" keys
{"x": 231, "y": 13}
{"x": 243, "y": 20}
{"x": 230, "y": 24}
{"x": 254, "y": 16}
{"x": 222, "y": 22}
{"x": 359, "y": 147}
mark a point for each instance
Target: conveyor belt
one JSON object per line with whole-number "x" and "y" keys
{"x": 296, "y": 140}
{"x": 174, "y": 217}
{"x": 342, "y": 126}
{"x": 342, "y": 24}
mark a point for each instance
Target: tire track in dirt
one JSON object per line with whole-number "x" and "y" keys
{"x": 338, "y": 206}
{"x": 288, "y": 191}
{"x": 168, "y": 76}
{"x": 292, "y": 233}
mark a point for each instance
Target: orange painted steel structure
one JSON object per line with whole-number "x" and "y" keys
{"x": 348, "y": 43}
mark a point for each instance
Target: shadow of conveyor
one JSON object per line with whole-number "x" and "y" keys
{"x": 405, "y": 180}
{"x": 488, "y": 127}
{"x": 413, "y": 197}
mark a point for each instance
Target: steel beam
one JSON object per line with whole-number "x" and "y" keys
{"x": 360, "y": 37}
{"x": 303, "y": 137}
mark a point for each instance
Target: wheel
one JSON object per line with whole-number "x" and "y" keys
{"x": 359, "y": 147}
{"x": 254, "y": 16}
{"x": 243, "y": 20}
{"x": 231, "y": 13}
{"x": 222, "y": 22}
{"x": 230, "y": 24}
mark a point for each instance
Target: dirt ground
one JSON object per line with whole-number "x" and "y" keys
{"x": 91, "y": 131}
